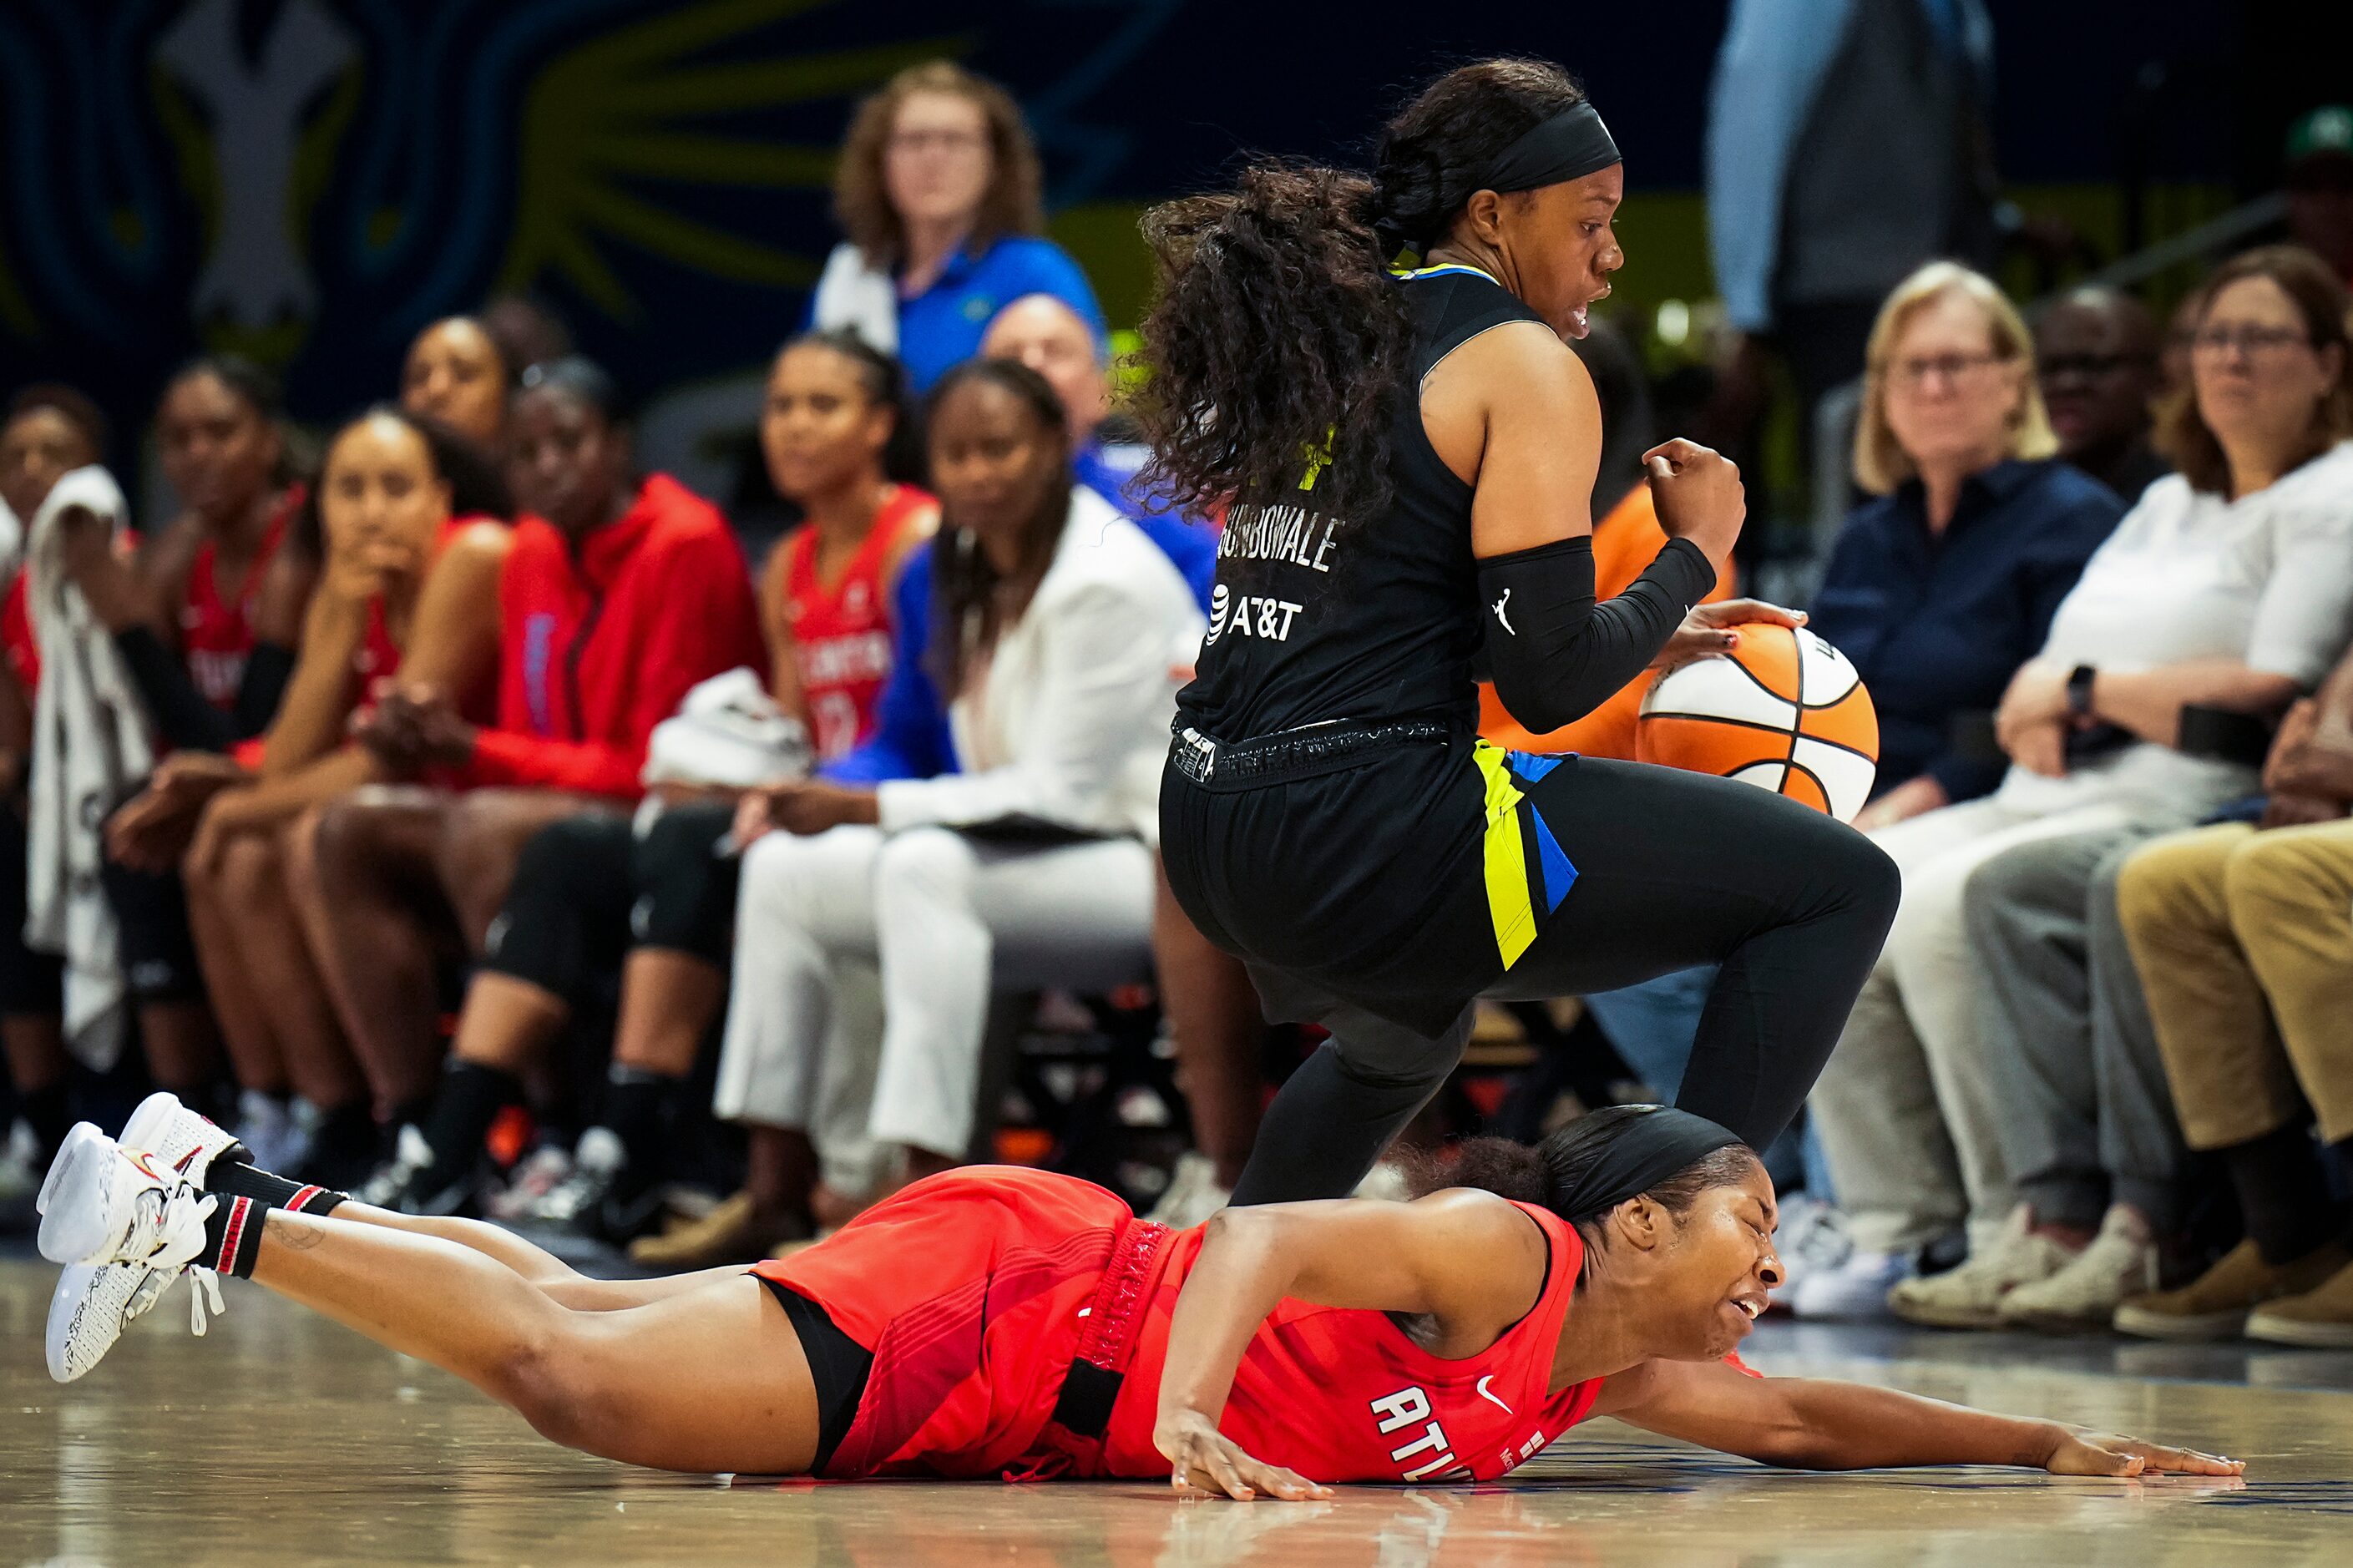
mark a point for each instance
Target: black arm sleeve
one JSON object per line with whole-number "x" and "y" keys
{"x": 187, "y": 721}
{"x": 1556, "y": 656}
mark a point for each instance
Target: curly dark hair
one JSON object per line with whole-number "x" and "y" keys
{"x": 1276, "y": 334}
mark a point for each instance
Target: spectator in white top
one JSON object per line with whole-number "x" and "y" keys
{"x": 1056, "y": 624}
{"x": 2228, "y": 590}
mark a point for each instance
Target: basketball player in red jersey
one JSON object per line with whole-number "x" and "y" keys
{"x": 834, "y": 406}
{"x": 592, "y": 893}
{"x": 407, "y": 586}
{"x": 997, "y": 1320}
{"x": 197, "y": 584}
{"x": 615, "y": 599}
{"x": 184, "y": 607}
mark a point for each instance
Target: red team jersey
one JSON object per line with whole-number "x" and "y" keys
{"x": 216, "y": 628}
{"x": 216, "y": 633}
{"x": 841, "y": 638}
{"x": 17, "y": 638}
{"x": 1025, "y": 1272}
{"x": 379, "y": 655}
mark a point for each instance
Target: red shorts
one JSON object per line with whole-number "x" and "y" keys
{"x": 975, "y": 1292}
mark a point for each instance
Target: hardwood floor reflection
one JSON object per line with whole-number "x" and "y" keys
{"x": 281, "y": 1438}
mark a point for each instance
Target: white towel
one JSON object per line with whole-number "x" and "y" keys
{"x": 91, "y": 745}
{"x": 12, "y": 542}
{"x": 850, "y": 293}
{"x": 728, "y": 733}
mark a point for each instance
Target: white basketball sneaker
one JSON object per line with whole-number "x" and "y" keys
{"x": 177, "y": 1138}
{"x": 176, "y": 1143}
{"x": 137, "y": 1231}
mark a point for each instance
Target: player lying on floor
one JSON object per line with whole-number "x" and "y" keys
{"x": 999, "y": 1320}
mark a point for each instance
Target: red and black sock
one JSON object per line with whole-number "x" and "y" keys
{"x": 231, "y": 1178}
{"x": 233, "y": 1235}
{"x": 246, "y": 1193}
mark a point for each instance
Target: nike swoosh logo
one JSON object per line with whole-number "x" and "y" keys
{"x": 1486, "y": 1394}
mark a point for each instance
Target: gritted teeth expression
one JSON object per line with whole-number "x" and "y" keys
{"x": 1720, "y": 1268}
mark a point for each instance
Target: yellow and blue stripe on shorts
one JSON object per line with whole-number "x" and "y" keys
{"x": 1524, "y": 862}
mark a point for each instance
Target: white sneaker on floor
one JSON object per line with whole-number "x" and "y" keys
{"x": 273, "y": 1135}
{"x": 1971, "y": 1296}
{"x": 2121, "y": 1263}
{"x": 1193, "y": 1193}
{"x": 1856, "y": 1288}
{"x": 145, "y": 1230}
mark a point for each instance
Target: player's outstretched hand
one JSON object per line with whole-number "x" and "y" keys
{"x": 1707, "y": 630}
{"x": 1204, "y": 1459}
{"x": 2081, "y": 1453}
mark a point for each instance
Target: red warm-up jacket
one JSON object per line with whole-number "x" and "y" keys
{"x": 597, "y": 647}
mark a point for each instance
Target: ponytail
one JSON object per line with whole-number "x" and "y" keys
{"x": 1278, "y": 346}
{"x": 1277, "y": 340}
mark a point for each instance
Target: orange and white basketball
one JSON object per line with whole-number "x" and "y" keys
{"x": 1783, "y": 711}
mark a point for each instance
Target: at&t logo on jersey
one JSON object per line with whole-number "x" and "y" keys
{"x": 1405, "y": 1414}
{"x": 1250, "y": 615}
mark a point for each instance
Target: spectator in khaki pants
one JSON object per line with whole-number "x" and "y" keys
{"x": 2245, "y": 941}
{"x": 2229, "y": 586}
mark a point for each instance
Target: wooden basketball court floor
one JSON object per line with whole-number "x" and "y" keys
{"x": 280, "y": 1438}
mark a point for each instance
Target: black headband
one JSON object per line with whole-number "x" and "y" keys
{"x": 1568, "y": 146}
{"x": 1646, "y": 1150}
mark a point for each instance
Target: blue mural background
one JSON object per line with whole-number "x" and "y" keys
{"x": 312, "y": 180}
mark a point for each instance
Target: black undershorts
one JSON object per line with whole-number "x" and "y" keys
{"x": 838, "y": 1365}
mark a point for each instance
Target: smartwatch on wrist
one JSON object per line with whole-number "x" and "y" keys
{"x": 2079, "y": 690}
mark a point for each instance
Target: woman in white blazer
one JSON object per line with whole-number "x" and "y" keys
{"x": 1057, "y": 628}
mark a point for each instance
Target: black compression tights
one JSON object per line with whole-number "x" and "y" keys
{"x": 1674, "y": 871}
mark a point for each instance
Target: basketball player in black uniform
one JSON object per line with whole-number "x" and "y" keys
{"x": 1407, "y": 456}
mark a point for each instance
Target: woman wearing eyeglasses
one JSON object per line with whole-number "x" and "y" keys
{"x": 938, "y": 190}
{"x": 1980, "y": 1078}
{"x": 1945, "y": 583}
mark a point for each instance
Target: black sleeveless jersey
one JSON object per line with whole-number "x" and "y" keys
{"x": 1317, "y": 617}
